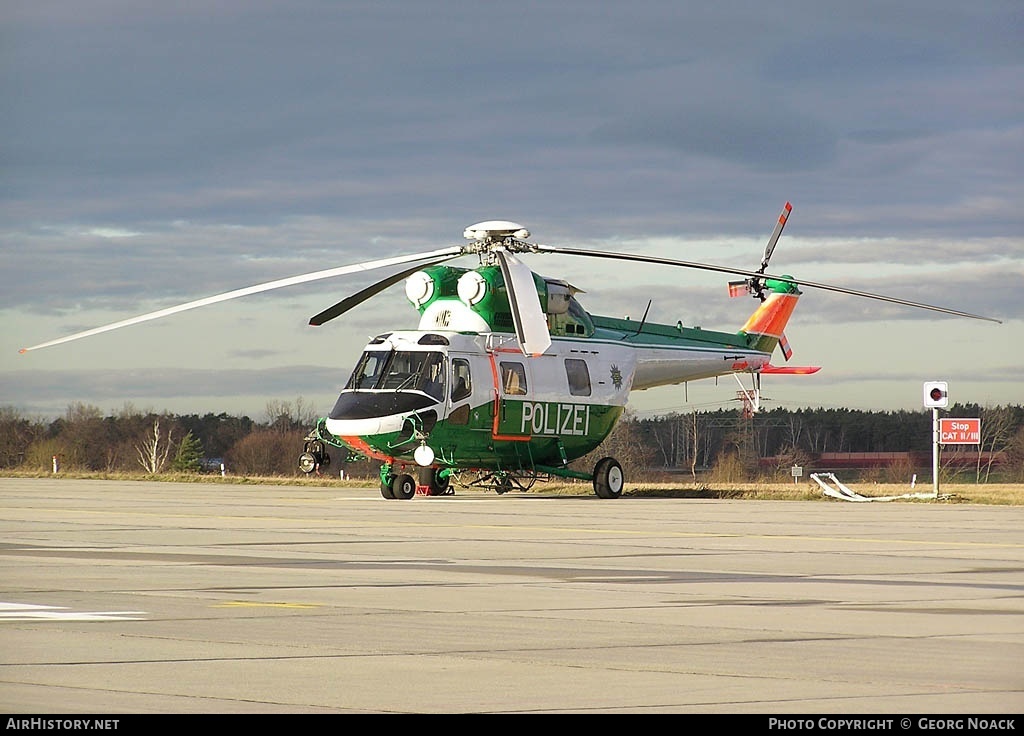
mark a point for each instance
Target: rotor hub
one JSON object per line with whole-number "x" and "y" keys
{"x": 496, "y": 231}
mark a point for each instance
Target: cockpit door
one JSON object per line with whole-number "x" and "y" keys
{"x": 461, "y": 388}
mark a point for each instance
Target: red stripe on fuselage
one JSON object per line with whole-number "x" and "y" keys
{"x": 358, "y": 443}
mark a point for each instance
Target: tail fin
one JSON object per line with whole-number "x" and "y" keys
{"x": 766, "y": 327}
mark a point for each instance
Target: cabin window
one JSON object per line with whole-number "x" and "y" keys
{"x": 462, "y": 383}
{"x": 578, "y": 375}
{"x": 513, "y": 378}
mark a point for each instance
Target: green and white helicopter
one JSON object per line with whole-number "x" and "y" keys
{"x": 508, "y": 379}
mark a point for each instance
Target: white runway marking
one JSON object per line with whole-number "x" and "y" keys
{"x": 32, "y": 612}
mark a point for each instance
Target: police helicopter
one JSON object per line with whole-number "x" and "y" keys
{"x": 507, "y": 379}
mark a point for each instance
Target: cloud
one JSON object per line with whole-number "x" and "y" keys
{"x": 157, "y": 153}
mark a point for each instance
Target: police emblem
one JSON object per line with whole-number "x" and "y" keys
{"x": 616, "y": 376}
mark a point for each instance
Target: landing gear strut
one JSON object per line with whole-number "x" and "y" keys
{"x": 403, "y": 486}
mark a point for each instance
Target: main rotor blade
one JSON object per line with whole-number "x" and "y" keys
{"x": 358, "y": 298}
{"x": 527, "y": 316}
{"x": 757, "y": 274}
{"x": 291, "y": 281}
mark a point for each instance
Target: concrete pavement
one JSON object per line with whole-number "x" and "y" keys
{"x": 136, "y": 597}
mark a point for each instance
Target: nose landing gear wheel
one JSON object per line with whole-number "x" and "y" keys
{"x": 307, "y": 463}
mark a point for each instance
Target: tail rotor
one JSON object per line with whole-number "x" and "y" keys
{"x": 755, "y": 285}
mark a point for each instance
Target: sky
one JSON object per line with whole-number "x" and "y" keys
{"x": 154, "y": 153}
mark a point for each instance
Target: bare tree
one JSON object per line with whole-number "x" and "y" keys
{"x": 285, "y": 416}
{"x": 693, "y": 433}
{"x": 83, "y": 437}
{"x": 17, "y": 433}
{"x": 1015, "y": 456}
{"x": 997, "y": 429}
{"x": 789, "y": 456}
{"x": 663, "y": 435}
{"x": 152, "y": 452}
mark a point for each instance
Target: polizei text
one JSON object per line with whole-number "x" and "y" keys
{"x": 550, "y": 418}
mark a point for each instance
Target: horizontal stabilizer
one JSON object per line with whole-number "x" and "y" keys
{"x": 738, "y": 288}
{"x": 790, "y": 370}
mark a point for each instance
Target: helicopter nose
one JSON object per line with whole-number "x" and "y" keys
{"x": 403, "y": 427}
{"x": 358, "y": 405}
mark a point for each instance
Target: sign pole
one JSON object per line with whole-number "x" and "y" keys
{"x": 935, "y": 452}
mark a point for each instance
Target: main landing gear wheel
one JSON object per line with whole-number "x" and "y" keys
{"x": 608, "y": 478}
{"x": 403, "y": 487}
{"x": 438, "y": 484}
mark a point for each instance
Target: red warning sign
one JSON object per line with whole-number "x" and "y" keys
{"x": 960, "y": 431}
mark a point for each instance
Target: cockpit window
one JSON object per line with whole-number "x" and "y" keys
{"x": 432, "y": 375}
{"x": 401, "y": 370}
{"x": 368, "y": 369}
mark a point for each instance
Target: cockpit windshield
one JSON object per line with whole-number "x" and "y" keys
{"x": 400, "y": 370}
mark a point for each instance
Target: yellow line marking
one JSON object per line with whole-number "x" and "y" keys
{"x": 251, "y": 604}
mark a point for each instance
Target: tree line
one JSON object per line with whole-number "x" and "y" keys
{"x": 723, "y": 444}
{"x": 133, "y": 441}
{"x": 770, "y": 443}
